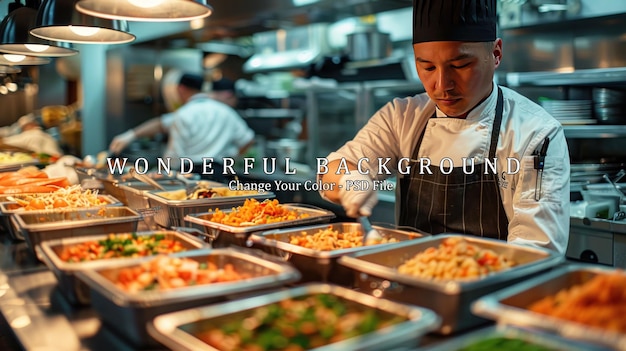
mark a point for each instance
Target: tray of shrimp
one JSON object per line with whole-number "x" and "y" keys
{"x": 583, "y": 302}
{"x": 127, "y": 295}
{"x": 315, "y": 249}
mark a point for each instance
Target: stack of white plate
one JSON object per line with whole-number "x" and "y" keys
{"x": 570, "y": 111}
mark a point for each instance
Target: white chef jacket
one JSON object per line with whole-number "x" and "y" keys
{"x": 394, "y": 129}
{"x": 204, "y": 128}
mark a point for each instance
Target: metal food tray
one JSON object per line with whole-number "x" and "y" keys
{"x": 111, "y": 182}
{"x": 135, "y": 191}
{"x": 509, "y": 306}
{"x": 222, "y": 235}
{"x": 544, "y": 340}
{"x": 128, "y": 313}
{"x": 135, "y": 197}
{"x": 168, "y": 328}
{"x": 376, "y": 273}
{"x": 39, "y": 226}
{"x": 8, "y": 209}
{"x": 171, "y": 213}
{"x": 318, "y": 265}
{"x": 11, "y": 167}
{"x": 76, "y": 292}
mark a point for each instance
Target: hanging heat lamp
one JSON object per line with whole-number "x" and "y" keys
{"x": 21, "y": 60}
{"x": 146, "y": 10}
{"x": 58, "y": 20}
{"x": 16, "y": 39}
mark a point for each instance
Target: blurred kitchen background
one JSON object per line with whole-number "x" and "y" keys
{"x": 310, "y": 73}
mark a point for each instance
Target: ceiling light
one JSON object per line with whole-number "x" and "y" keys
{"x": 14, "y": 58}
{"x": 146, "y": 10}
{"x": 16, "y": 39}
{"x": 22, "y": 60}
{"x": 58, "y": 20}
{"x": 84, "y": 31}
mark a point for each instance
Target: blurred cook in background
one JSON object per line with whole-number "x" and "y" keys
{"x": 206, "y": 125}
{"x": 32, "y": 137}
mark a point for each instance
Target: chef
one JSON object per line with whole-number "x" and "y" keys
{"x": 32, "y": 137}
{"x": 468, "y": 131}
{"x": 205, "y": 126}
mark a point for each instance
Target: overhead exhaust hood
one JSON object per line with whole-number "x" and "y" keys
{"x": 287, "y": 49}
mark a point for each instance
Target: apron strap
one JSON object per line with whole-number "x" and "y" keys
{"x": 497, "y": 121}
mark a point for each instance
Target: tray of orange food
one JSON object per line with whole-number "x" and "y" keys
{"x": 65, "y": 257}
{"x": 224, "y": 227}
{"x": 129, "y": 294}
{"x": 579, "y": 301}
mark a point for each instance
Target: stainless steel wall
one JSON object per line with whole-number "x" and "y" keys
{"x": 593, "y": 37}
{"x": 131, "y": 68}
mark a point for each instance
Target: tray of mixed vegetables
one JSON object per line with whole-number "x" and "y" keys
{"x": 446, "y": 272}
{"x": 307, "y": 317}
{"x": 128, "y": 294}
{"x": 40, "y": 226}
{"x": 67, "y": 256}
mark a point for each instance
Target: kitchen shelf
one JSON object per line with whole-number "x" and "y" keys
{"x": 615, "y": 75}
{"x": 595, "y": 131}
{"x": 271, "y": 113}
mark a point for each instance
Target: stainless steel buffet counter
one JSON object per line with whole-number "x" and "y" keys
{"x": 34, "y": 314}
{"x": 37, "y": 314}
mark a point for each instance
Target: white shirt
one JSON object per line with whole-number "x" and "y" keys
{"x": 204, "y": 128}
{"x": 35, "y": 140}
{"x": 394, "y": 129}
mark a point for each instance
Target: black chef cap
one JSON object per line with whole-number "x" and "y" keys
{"x": 223, "y": 84}
{"x": 454, "y": 20}
{"x": 192, "y": 81}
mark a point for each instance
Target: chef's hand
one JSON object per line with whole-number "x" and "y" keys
{"x": 121, "y": 141}
{"x": 357, "y": 194}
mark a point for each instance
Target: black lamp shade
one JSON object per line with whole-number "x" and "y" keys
{"x": 58, "y": 20}
{"x": 146, "y": 10}
{"x": 16, "y": 39}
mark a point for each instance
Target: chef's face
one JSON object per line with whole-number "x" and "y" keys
{"x": 457, "y": 75}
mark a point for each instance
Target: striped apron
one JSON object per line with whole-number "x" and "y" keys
{"x": 456, "y": 202}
